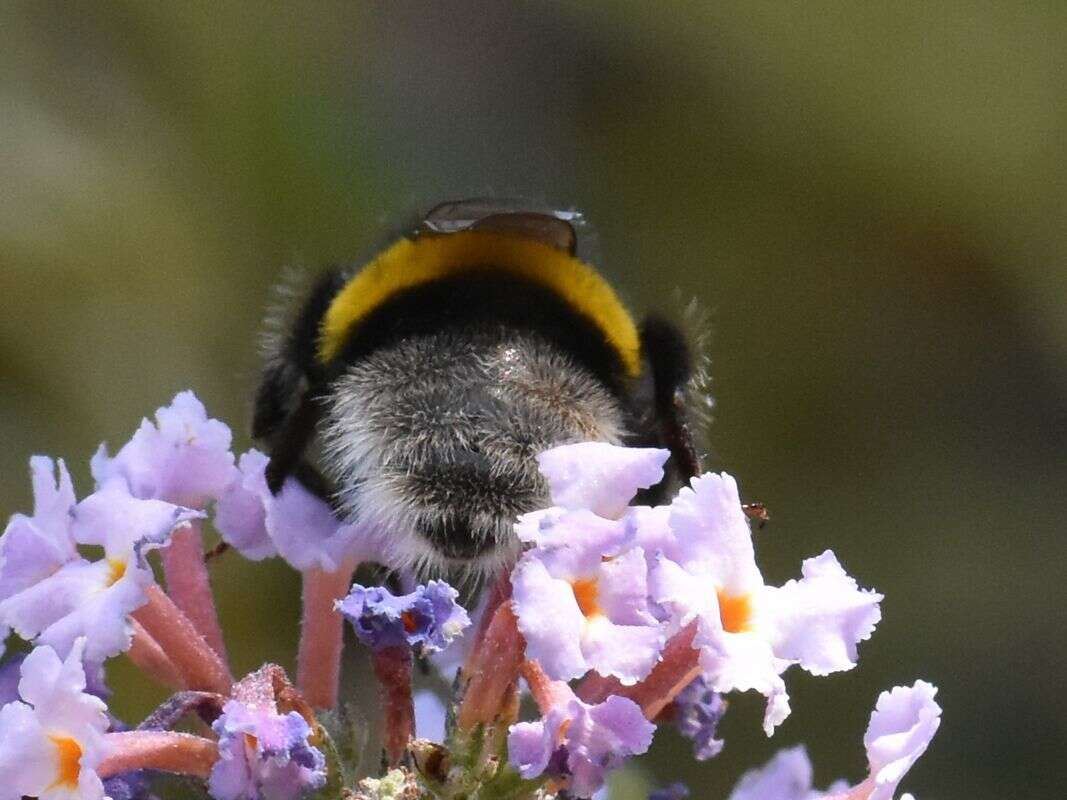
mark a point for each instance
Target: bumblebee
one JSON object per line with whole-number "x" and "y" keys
{"x": 414, "y": 391}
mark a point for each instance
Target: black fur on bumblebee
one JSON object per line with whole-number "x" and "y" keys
{"x": 415, "y": 391}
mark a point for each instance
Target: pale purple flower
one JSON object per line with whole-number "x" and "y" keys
{"x": 125, "y": 526}
{"x": 750, "y": 633}
{"x": 555, "y": 526}
{"x": 50, "y": 593}
{"x": 183, "y": 458}
{"x": 902, "y": 725}
{"x": 448, "y": 662}
{"x": 600, "y": 477}
{"x": 579, "y": 742}
{"x": 241, "y": 513}
{"x": 700, "y": 566}
{"x": 698, "y": 711}
{"x": 583, "y": 605}
{"x": 428, "y": 618}
{"x": 52, "y": 741}
{"x": 904, "y": 721}
{"x": 294, "y": 524}
{"x": 787, "y": 776}
{"x": 264, "y": 755}
{"x": 581, "y": 595}
{"x": 34, "y": 547}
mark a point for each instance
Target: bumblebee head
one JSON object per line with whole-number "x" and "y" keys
{"x": 433, "y": 375}
{"x": 432, "y": 439}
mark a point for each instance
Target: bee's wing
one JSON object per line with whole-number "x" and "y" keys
{"x": 556, "y": 227}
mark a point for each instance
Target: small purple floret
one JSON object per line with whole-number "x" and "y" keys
{"x": 50, "y": 593}
{"x": 264, "y": 755}
{"x": 184, "y": 458}
{"x": 699, "y": 710}
{"x": 428, "y": 618}
{"x": 294, "y": 523}
{"x": 580, "y": 742}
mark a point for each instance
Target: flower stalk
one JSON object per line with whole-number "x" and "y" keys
{"x": 198, "y": 664}
{"x": 167, "y": 751}
{"x": 547, "y": 693}
{"x": 318, "y": 669}
{"x": 678, "y": 668}
{"x": 494, "y": 669}
{"x": 499, "y": 592}
{"x": 392, "y": 668}
{"x": 189, "y": 584}
{"x": 149, "y": 657}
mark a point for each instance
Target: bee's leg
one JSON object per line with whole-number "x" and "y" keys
{"x": 287, "y": 446}
{"x": 291, "y": 364}
{"x": 311, "y": 479}
{"x": 286, "y": 408}
{"x": 279, "y": 389}
{"x": 671, "y": 365}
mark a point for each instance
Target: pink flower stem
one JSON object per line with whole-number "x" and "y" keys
{"x": 179, "y": 753}
{"x": 148, "y": 656}
{"x": 499, "y": 593}
{"x": 491, "y": 671}
{"x": 547, "y": 692}
{"x": 189, "y": 584}
{"x": 676, "y": 670}
{"x": 392, "y": 666}
{"x": 318, "y": 662}
{"x": 200, "y": 667}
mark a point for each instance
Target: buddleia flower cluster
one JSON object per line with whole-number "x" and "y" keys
{"x": 617, "y": 619}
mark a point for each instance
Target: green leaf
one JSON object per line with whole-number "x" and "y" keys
{"x": 507, "y": 784}
{"x": 341, "y": 740}
{"x": 336, "y": 772}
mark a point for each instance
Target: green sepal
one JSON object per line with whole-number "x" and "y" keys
{"x": 473, "y": 766}
{"x": 341, "y": 741}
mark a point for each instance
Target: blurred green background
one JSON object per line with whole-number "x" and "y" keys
{"x": 868, "y": 199}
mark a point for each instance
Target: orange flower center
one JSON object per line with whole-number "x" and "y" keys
{"x": 68, "y": 762}
{"x": 735, "y": 612}
{"x": 116, "y": 569}
{"x": 586, "y": 592}
{"x": 407, "y": 618}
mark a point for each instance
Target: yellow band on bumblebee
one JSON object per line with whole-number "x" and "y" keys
{"x": 415, "y": 262}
